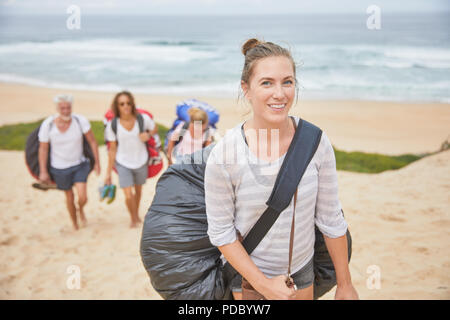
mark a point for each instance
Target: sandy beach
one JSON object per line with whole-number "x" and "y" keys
{"x": 399, "y": 219}
{"x": 383, "y": 127}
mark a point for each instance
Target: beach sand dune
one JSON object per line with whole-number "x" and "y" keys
{"x": 399, "y": 222}
{"x": 38, "y": 245}
{"x": 399, "y": 219}
{"x": 369, "y": 126}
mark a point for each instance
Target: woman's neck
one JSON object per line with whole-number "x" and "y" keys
{"x": 127, "y": 117}
{"x": 268, "y": 141}
{"x": 284, "y": 128}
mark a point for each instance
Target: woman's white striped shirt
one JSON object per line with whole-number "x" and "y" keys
{"x": 237, "y": 186}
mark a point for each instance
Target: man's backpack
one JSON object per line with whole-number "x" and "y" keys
{"x": 32, "y": 151}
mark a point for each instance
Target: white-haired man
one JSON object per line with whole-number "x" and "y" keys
{"x": 64, "y": 132}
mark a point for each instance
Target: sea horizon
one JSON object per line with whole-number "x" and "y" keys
{"x": 338, "y": 57}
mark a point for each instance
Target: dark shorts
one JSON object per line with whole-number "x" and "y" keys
{"x": 303, "y": 278}
{"x": 65, "y": 178}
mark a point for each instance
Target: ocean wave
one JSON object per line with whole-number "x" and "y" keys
{"x": 346, "y": 88}
{"x": 405, "y": 64}
{"x": 109, "y": 49}
{"x": 158, "y": 66}
{"x": 418, "y": 53}
{"x": 11, "y": 78}
{"x": 227, "y": 89}
{"x": 399, "y": 57}
{"x": 354, "y": 82}
{"x": 172, "y": 43}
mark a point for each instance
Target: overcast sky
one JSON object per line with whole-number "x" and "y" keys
{"x": 220, "y": 6}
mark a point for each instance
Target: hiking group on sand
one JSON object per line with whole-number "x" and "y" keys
{"x": 67, "y": 150}
{"x": 259, "y": 218}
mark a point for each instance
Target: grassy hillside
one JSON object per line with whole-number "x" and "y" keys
{"x": 13, "y": 137}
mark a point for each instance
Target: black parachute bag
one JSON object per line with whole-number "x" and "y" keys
{"x": 32, "y": 152}
{"x": 175, "y": 248}
{"x": 324, "y": 273}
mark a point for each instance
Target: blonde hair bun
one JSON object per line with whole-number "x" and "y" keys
{"x": 254, "y": 50}
{"x": 249, "y": 44}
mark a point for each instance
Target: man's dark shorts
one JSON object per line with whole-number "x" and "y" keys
{"x": 65, "y": 178}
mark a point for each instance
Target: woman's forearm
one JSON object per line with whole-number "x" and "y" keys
{"x": 238, "y": 257}
{"x": 338, "y": 250}
{"x": 271, "y": 288}
{"x": 111, "y": 158}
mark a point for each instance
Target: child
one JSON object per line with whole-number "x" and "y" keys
{"x": 191, "y": 137}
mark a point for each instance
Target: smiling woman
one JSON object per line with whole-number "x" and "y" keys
{"x": 269, "y": 83}
{"x": 235, "y": 192}
{"x": 127, "y": 134}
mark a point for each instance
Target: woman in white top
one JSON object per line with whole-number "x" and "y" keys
{"x": 240, "y": 174}
{"x": 128, "y": 151}
{"x": 68, "y": 166}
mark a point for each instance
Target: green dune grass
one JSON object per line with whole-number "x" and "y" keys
{"x": 371, "y": 162}
{"x": 13, "y": 137}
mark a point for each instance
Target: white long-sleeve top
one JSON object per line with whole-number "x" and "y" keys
{"x": 237, "y": 186}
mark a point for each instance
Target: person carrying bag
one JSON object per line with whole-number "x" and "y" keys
{"x": 180, "y": 260}
{"x": 240, "y": 173}
{"x": 190, "y": 243}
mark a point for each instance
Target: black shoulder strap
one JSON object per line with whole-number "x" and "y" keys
{"x": 114, "y": 126}
{"x": 301, "y": 150}
{"x": 183, "y": 130}
{"x": 50, "y": 124}
{"x": 79, "y": 124}
{"x": 140, "y": 120}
